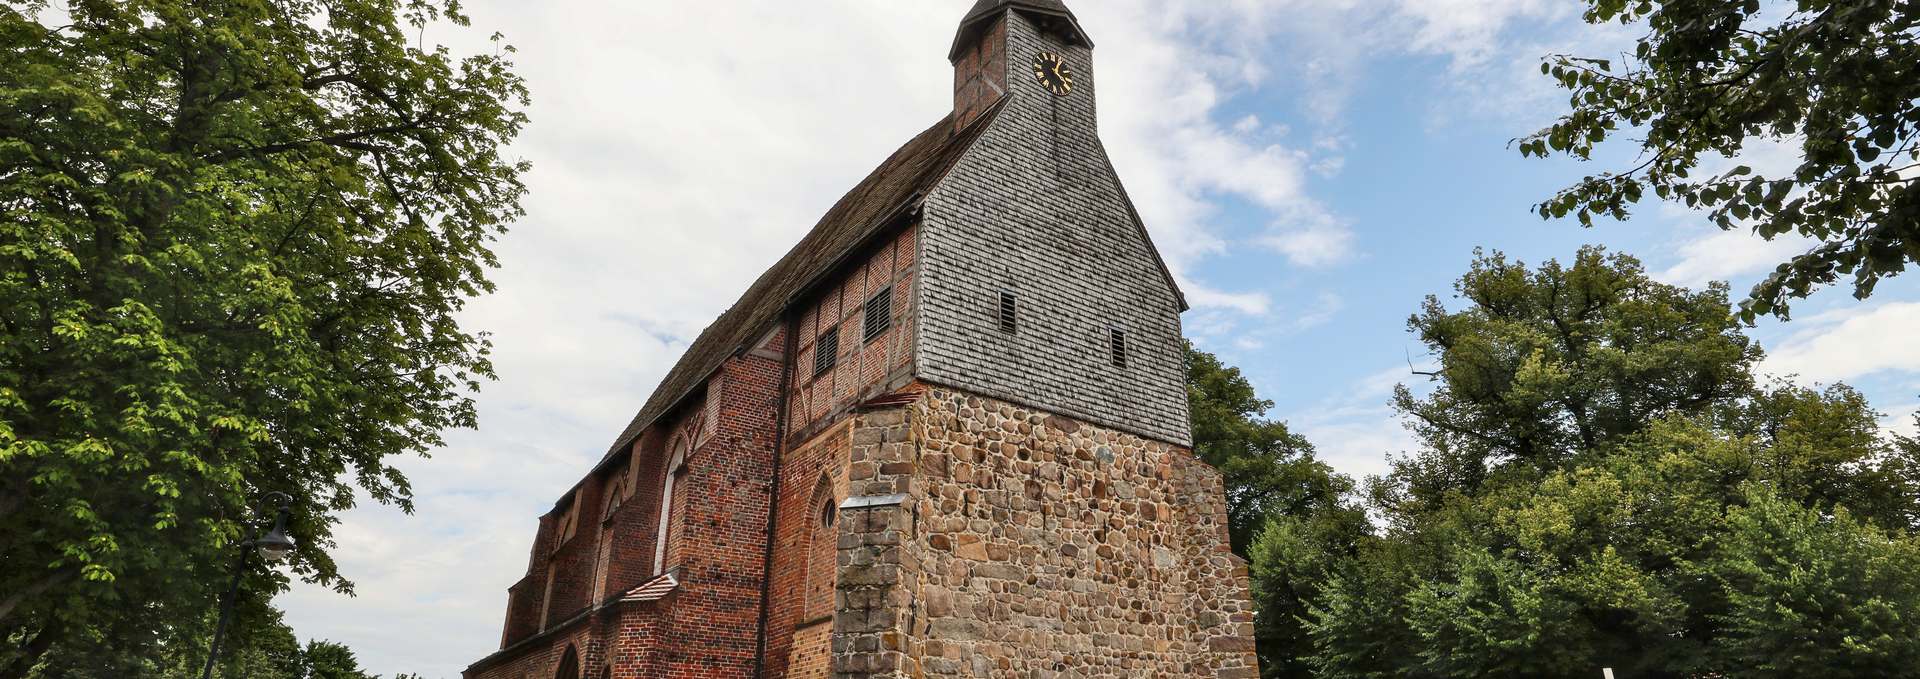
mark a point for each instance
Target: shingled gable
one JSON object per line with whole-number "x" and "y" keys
{"x": 908, "y": 173}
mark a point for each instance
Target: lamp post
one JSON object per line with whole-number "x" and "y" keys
{"x": 273, "y": 548}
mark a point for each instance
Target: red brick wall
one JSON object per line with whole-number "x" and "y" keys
{"x": 812, "y": 651}
{"x": 526, "y": 598}
{"x": 717, "y": 535}
{"x": 570, "y": 569}
{"x": 802, "y": 580}
{"x": 717, "y": 532}
{"x": 979, "y": 73}
{"x": 720, "y": 529}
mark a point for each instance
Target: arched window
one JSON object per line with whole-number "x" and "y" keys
{"x": 823, "y": 538}
{"x": 569, "y": 665}
{"x": 614, "y": 495}
{"x": 676, "y": 467}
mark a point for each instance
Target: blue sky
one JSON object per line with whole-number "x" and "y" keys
{"x": 1310, "y": 170}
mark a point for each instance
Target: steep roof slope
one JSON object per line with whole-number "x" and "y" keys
{"x": 909, "y": 171}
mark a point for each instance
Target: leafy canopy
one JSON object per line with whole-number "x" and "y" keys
{"x": 233, "y": 238}
{"x": 1839, "y": 79}
{"x": 1600, "y": 482}
{"x": 1547, "y": 363}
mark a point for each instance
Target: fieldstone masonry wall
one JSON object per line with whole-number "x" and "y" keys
{"x": 1036, "y": 546}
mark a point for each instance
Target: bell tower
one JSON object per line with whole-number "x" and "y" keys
{"x": 982, "y": 61}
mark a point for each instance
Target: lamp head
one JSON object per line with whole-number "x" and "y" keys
{"x": 276, "y": 545}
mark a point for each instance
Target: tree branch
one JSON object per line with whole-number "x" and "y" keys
{"x": 36, "y": 587}
{"x": 346, "y": 139}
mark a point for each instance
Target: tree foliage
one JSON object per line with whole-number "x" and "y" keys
{"x": 1545, "y": 364}
{"x": 1839, "y": 79}
{"x": 260, "y": 646}
{"x": 1601, "y": 482}
{"x": 233, "y": 238}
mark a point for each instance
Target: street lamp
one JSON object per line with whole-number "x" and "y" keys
{"x": 273, "y": 548}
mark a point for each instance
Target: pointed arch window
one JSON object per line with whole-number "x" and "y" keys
{"x": 614, "y": 495}
{"x": 569, "y": 667}
{"x": 676, "y": 468}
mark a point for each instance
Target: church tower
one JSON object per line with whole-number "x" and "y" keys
{"x": 946, "y": 435}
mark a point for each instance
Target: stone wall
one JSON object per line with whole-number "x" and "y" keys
{"x": 1033, "y": 545}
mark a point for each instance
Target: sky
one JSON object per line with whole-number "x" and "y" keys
{"x": 1310, "y": 170}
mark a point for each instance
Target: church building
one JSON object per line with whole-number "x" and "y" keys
{"x": 945, "y": 436}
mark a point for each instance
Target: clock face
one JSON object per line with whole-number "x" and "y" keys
{"x": 1053, "y": 73}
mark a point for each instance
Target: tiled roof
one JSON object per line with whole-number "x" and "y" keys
{"x": 905, "y": 395}
{"x": 652, "y": 590}
{"x": 985, "y": 9}
{"x": 909, "y": 172}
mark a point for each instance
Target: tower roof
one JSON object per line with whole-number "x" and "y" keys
{"x": 985, "y": 7}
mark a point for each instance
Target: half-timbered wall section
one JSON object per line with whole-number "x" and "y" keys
{"x": 845, "y": 353}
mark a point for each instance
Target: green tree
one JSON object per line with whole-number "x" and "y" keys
{"x": 233, "y": 238}
{"x": 1546, "y": 364}
{"x": 1840, "y": 79}
{"x": 1674, "y": 554}
{"x": 1601, "y": 483}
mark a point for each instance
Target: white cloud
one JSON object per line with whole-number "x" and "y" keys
{"x": 1166, "y": 69}
{"x": 1354, "y": 429}
{"x": 1738, "y": 255}
{"x": 1200, "y": 296}
{"x": 1900, "y": 419}
{"x": 1852, "y": 343}
{"x": 1733, "y": 256}
{"x": 1314, "y": 245}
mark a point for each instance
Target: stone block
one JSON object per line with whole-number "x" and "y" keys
{"x": 958, "y": 629}
{"x": 1232, "y": 644}
{"x": 869, "y": 575}
{"x": 1000, "y": 571}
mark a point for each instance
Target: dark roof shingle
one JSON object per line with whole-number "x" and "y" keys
{"x": 985, "y": 6}
{"x": 909, "y": 171}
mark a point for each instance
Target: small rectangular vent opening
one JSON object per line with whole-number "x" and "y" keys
{"x": 826, "y": 351}
{"x": 879, "y": 314}
{"x": 1007, "y": 309}
{"x": 1118, "y": 345}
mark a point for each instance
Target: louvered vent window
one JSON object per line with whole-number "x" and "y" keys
{"x": 879, "y": 314}
{"x": 826, "y": 351}
{"x": 1118, "y": 344}
{"x": 1007, "y": 324}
